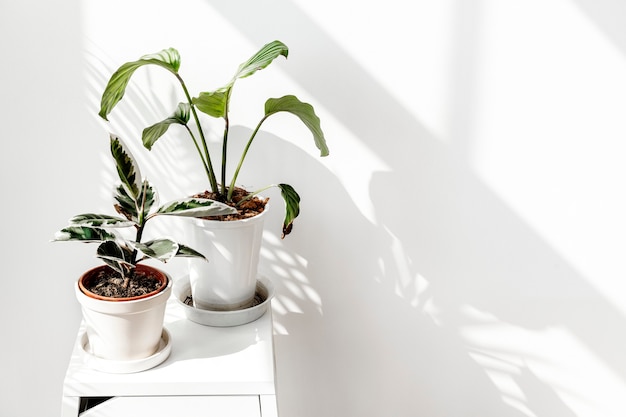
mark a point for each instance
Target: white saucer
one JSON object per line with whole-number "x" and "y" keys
{"x": 130, "y": 366}
{"x": 264, "y": 294}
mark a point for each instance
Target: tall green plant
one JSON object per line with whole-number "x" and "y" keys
{"x": 135, "y": 199}
{"x": 216, "y": 104}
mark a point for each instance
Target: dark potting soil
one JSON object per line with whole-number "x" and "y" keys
{"x": 108, "y": 283}
{"x": 246, "y": 209}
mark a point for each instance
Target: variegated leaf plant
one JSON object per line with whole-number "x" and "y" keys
{"x": 216, "y": 104}
{"x": 135, "y": 199}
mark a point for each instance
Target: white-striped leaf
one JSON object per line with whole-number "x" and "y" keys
{"x": 100, "y": 220}
{"x": 127, "y": 167}
{"x": 117, "y": 257}
{"x": 83, "y": 234}
{"x": 159, "y": 249}
{"x": 195, "y": 207}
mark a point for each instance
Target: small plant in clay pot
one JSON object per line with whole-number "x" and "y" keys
{"x": 216, "y": 103}
{"x": 123, "y": 302}
{"x": 121, "y": 277}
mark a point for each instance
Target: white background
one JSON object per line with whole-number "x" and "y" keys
{"x": 459, "y": 253}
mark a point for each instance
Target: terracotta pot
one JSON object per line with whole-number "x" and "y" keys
{"x": 124, "y": 329}
{"x": 228, "y": 280}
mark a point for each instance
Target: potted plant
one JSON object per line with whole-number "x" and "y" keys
{"x": 232, "y": 242}
{"x": 123, "y": 300}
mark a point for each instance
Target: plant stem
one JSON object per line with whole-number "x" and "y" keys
{"x": 206, "y": 158}
{"x": 224, "y": 150}
{"x": 195, "y": 142}
{"x": 243, "y": 156}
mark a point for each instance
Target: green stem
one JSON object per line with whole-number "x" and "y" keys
{"x": 141, "y": 219}
{"x": 206, "y": 159}
{"x": 243, "y": 156}
{"x": 224, "y": 151}
{"x": 225, "y": 142}
{"x": 195, "y": 142}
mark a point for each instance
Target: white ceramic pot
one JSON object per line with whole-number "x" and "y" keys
{"x": 228, "y": 280}
{"x": 125, "y": 329}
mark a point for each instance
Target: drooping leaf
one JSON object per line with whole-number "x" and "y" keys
{"x": 213, "y": 103}
{"x": 292, "y": 207}
{"x": 304, "y": 111}
{"x": 116, "y": 87}
{"x": 195, "y": 207}
{"x": 100, "y": 220}
{"x": 152, "y": 133}
{"x": 127, "y": 167}
{"x": 117, "y": 257}
{"x": 159, "y": 249}
{"x": 187, "y": 252}
{"x": 83, "y": 234}
{"x": 262, "y": 59}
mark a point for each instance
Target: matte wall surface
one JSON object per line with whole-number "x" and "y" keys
{"x": 460, "y": 252}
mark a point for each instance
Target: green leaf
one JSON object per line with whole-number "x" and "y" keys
{"x": 262, "y": 59}
{"x": 292, "y": 207}
{"x": 187, "y": 252}
{"x": 116, "y": 87}
{"x": 126, "y": 205}
{"x": 117, "y": 257}
{"x": 100, "y": 220}
{"x": 214, "y": 103}
{"x": 196, "y": 207}
{"x": 159, "y": 249}
{"x": 304, "y": 111}
{"x": 83, "y": 234}
{"x": 148, "y": 198}
{"x": 127, "y": 167}
{"x": 152, "y": 133}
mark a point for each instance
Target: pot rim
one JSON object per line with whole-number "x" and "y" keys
{"x": 162, "y": 276}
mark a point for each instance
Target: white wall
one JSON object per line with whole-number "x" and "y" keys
{"x": 460, "y": 253}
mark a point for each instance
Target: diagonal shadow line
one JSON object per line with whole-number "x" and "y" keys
{"x": 608, "y": 15}
{"x": 338, "y": 82}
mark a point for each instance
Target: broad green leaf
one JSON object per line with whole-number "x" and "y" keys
{"x": 196, "y": 207}
{"x": 292, "y": 207}
{"x": 83, "y": 234}
{"x": 152, "y": 133}
{"x": 187, "y": 252}
{"x": 100, "y": 220}
{"x": 262, "y": 59}
{"x": 304, "y": 111}
{"x": 214, "y": 103}
{"x": 127, "y": 167}
{"x": 159, "y": 249}
{"x": 116, "y": 87}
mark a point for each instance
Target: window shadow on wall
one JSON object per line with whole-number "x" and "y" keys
{"x": 371, "y": 317}
{"x": 367, "y": 343}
